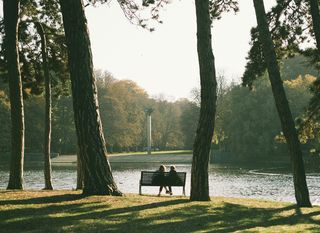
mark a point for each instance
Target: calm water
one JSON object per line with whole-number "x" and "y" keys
{"x": 227, "y": 180}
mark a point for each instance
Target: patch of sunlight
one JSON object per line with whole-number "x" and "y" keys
{"x": 315, "y": 218}
{"x": 64, "y": 214}
{"x": 165, "y": 220}
{"x": 250, "y": 220}
{"x": 102, "y": 221}
{"x": 20, "y": 219}
{"x": 124, "y": 214}
{"x": 278, "y": 228}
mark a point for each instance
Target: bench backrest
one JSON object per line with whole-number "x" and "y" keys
{"x": 148, "y": 179}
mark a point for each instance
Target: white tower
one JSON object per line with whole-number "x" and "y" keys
{"x": 148, "y": 112}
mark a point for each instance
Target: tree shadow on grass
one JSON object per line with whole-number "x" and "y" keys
{"x": 55, "y": 213}
{"x": 227, "y": 218}
{"x": 176, "y": 215}
{"x": 195, "y": 218}
{"x": 43, "y": 200}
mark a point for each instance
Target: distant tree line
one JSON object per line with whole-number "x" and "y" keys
{"x": 247, "y": 123}
{"x": 246, "y": 129}
{"x": 122, "y": 104}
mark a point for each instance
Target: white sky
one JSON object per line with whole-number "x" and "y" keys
{"x": 165, "y": 61}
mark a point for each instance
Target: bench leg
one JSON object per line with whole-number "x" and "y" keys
{"x": 184, "y": 191}
{"x": 139, "y": 189}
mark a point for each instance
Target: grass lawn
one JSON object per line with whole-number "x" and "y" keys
{"x": 69, "y": 211}
{"x": 169, "y": 152}
{"x": 181, "y": 156}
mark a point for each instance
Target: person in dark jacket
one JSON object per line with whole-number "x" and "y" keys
{"x": 159, "y": 179}
{"x": 173, "y": 178}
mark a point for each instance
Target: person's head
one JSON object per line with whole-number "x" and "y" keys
{"x": 172, "y": 168}
{"x": 162, "y": 168}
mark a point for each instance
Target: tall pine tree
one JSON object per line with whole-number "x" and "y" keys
{"x": 282, "y": 105}
{"x": 98, "y": 177}
{"x": 11, "y": 10}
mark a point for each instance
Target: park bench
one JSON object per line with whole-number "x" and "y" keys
{"x": 147, "y": 179}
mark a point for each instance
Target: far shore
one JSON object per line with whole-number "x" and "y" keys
{"x": 184, "y": 157}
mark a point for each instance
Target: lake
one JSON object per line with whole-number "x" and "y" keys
{"x": 262, "y": 182}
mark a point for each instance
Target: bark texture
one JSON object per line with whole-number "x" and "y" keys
{"x": 11, "y": 21}
{"x": 47, "y": 120}
{"x": 287, "y": 123}
{"x": 98, "y": 177}
{"x": 202, "y": 143}
{"x": 79, "y": 173}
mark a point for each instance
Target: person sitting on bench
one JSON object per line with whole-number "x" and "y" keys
{"x": 159, "y": 178}
{"x": 173, "y": 178}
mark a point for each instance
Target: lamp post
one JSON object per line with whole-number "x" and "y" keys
{"x": 148, "y": 112}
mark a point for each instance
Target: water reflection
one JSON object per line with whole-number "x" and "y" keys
{"x": 227, "y": 181}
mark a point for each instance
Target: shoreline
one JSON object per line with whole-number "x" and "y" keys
{"x": 132, "y": 158}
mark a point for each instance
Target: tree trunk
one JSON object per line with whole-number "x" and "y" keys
{"x": 202, "y": 143}
{"x": 314, "y": 10}
{"x": 47, "y": 121}
{"x": 287, "y": 123}
{"x": 98, "y": 177}
{"x": 11, "y": 22}
{"x": 79, "y": 173}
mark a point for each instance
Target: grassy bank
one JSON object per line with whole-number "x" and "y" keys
{"x": 169, "y": 152}
{"x": 68, "y": 211}
{"x": 182, "y": 156}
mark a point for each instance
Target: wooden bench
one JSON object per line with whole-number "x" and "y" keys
{"x": 147, "y": 179}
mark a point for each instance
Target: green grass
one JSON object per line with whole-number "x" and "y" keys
{"x": 169, "y": 152}
{"x": 69, "y": 211}
{"x": 181, "y": 156}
